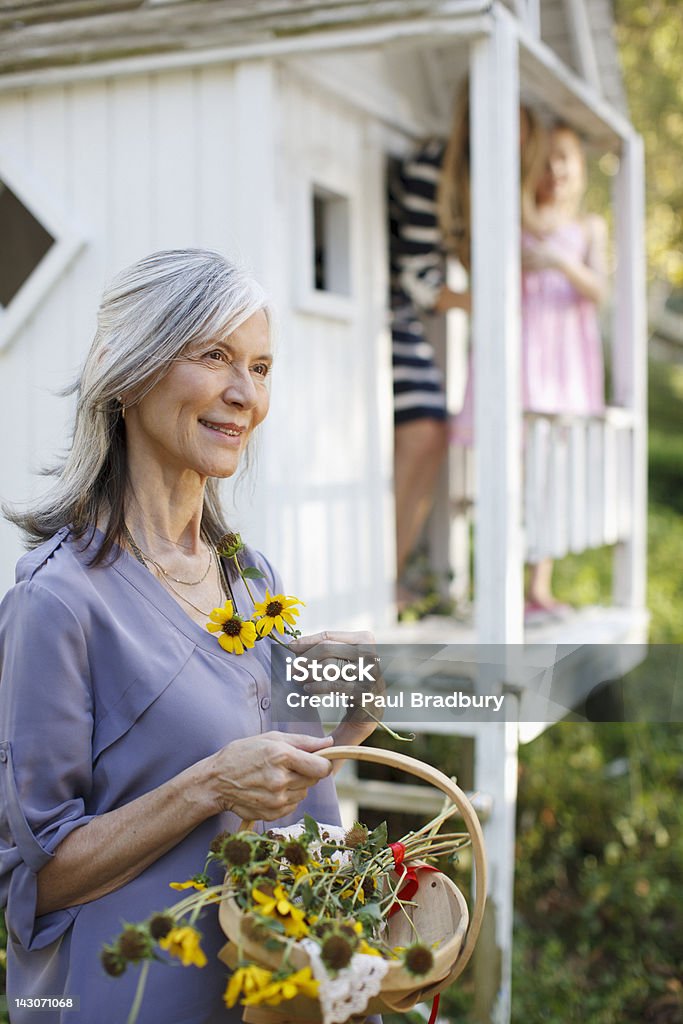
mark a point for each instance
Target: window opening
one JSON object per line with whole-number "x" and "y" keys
{"x": 24, "y": 244}
{"x": 331, "y": 246}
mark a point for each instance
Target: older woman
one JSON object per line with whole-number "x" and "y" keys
{"x": 129, "y": 737}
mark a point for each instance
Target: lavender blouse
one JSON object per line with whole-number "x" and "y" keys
{"x": 108, "y": 690}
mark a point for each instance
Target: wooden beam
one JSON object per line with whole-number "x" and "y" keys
{"x": 78, "y": 63}
{"x": 582, "y": 43}
{"x": 190, "y": 26}
{"x": 563, "y": 92}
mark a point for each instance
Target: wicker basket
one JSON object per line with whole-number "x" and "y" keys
{"x": 440, "y": 916}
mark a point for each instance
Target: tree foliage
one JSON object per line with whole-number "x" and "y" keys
{"x": 650, "y": 38}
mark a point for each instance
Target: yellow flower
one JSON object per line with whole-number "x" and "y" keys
{"x": 274, "y": 612}
{"x": 247, "y": 981}
{"x": 191, "y": 883}
{"x": 300, "y": 983}
{"x": 235, "y": 633}
{"x": 184, "y": 943}
{"x": 369, "y": 950}
{"x": 279, "y": 907}
{"x": 356, "y": 890}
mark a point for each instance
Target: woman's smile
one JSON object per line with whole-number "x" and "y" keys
{"x": 200, "y": 416}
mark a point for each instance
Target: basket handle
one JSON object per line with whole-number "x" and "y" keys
{"x": 427, "y": 773}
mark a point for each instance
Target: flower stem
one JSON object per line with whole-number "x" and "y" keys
{"x": 404, "y": 739}
{"x": 244, "y": 579}
{"x": 139, "y": 992}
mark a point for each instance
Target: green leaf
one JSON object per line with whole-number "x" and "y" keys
{"x": 377, "y": 839}
{"x": 311, "y": 829}
{"x": 252, "y": 573}
{"x": 306, "y": 893}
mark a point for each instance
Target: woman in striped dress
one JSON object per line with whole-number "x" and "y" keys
{"x": 418, "y": 286}
{"x": 429, "y": 207}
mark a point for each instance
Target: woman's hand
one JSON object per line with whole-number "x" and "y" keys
{"x": 341, "y": 649}
{"x": 266, "y": 777}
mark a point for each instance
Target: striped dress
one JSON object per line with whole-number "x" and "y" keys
{"x": 417, "y": 274}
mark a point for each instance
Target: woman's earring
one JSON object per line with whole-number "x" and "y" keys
{"x": 123, "y": 407}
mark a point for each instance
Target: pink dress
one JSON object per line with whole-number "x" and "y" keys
{"x": 562, "y": 361}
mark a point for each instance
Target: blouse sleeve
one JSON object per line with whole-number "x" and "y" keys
{"x": 416, "y": 235}
{"x": 46, "y": 724}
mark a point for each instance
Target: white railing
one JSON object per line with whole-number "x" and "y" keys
{"x": 578, "y": 486}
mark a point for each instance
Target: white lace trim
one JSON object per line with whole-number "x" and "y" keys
{"x": 353, "y": 987}
{"x": 334, "y": 832}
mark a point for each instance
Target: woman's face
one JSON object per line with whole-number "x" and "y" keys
{"x": 200, "y": 416}
{"x": 565, "y": 176}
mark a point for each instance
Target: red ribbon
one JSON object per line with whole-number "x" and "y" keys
{"x": 435, "y": 1009}
{"x": 407, "y": 892}
{"x": 409, "y": 875}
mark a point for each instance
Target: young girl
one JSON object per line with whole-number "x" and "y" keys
{"x": 563, "y": 283}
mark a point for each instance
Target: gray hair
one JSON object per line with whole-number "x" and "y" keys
{"x": 150, "y": 313}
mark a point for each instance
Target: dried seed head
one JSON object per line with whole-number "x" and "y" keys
{"x": 236, "y": 852}
{"x": 356, "y": 835}
{"x": 134, "y": 943}
{"x": 216, "y": 844}
{"x": 160, "y": 925}
{"x": 368, "y": 886}
{"x": 229, "y": 545}
{"x": 112, "y": 962}
{"x": 418, "y": 959}
{"x": 336, "y": 952}
{"x": 295, "y": 853}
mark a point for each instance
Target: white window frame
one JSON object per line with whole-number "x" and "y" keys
{"x": 310, "y": 299}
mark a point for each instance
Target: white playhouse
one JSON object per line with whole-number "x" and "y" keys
{"x": 263, "y": 129}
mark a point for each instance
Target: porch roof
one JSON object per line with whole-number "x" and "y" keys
{"x": 52, "y": 34}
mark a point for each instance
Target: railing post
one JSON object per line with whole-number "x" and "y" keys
{"x": 494, "y": 143}
{"x": 494, "y": 172}
{"x": 629, "y": 361}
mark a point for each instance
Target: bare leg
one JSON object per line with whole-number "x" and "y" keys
{"x": 420, "y": 447}
{"x": 540, "y": 590}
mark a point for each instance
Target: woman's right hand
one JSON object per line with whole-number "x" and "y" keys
{"x": 266, "y": 777}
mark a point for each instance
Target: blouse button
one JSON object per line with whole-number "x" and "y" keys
{"x": 265, "y": 703}
{"x": 3, "y": 756}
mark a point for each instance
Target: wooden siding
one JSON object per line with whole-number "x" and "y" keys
{"x": 194, "y": 158}
{"x": 332, "y": 485}
{"x": 105, "y": 152}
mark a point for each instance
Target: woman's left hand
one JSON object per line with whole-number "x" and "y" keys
{"x": 355, "y": 653}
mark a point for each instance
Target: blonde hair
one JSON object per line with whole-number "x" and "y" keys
{"x": 150, "y": 313}
{"x": 454, "y": 192}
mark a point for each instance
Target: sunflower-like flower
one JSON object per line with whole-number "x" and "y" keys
{"x": 235, "y": 633}
{"x": 184, "y": 943}
{"x": 274, "y": 611}
{"x": 278, "y": 906}
{"x": 418, "y": 959}
{"x": 246, "y": 981}
{"x": 299, "y": 983}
